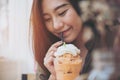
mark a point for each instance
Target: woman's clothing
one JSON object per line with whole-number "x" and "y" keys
{"x": 87, "y": 65}
{"x": 40, "y": 74}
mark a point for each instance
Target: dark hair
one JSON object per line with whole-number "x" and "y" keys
{"x": 75, "y": 4}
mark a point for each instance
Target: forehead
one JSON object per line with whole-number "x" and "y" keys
{"x": 48, "y": 5}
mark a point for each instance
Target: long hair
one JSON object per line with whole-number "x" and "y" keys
{"x": 42, "y": 38}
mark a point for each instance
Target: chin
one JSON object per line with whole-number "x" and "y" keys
{"x": 68, "y": 40}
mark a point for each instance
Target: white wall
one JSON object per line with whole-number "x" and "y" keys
{"x": 19, "y": 48}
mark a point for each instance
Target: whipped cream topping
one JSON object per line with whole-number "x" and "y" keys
{"x": 67, "y": 48}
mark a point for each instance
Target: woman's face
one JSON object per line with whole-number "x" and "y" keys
{"x": 61, "y": 17}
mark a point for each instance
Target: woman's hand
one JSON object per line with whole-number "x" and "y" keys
{"x": 82, "y": 77}
{"x": 49, "y": 58}
{"x": 52, "y": 77}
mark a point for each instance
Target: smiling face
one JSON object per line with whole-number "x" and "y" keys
{"x": 61, "y": 17}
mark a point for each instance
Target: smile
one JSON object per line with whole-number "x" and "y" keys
{"x": 66, "y": 32}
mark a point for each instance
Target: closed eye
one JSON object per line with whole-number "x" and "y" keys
{"x": 62, "y": 13}
{"x": 47, "y": 20}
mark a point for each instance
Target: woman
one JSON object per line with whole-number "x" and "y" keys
{"x": 49, "y": 19}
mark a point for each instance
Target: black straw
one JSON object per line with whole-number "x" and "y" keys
{"x": 61, "y": 36}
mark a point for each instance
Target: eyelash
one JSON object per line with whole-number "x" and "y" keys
{"x": 48, "y": 20}
{"x": 63, "y": 13}
{"x": 60, "y": 14}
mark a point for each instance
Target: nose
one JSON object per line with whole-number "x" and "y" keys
{"x": 58, "y": 24}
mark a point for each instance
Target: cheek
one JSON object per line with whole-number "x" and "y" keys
{"x": 79, "y": 24}
{"x": 73, "y": 19}
{"x": 70, "y": 17}
{"x": 50, "y": 29}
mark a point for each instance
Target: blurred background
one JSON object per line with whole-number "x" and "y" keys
{"x": 16, "y": 56}
{"x": 101, "y": 33}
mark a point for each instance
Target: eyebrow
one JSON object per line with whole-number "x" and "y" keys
{"x": 57, "y": 8}
{"x": 60, "y": 6}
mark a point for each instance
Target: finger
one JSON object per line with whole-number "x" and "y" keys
{"x": 48, "y": 55}
{"x": 49, "y": 64}
{"x": 51, "y": 52}
{"x": 54, "y": 47}
{"x": 78, "y": 78}
{"x": 57, "y": 44}
{"x": 48, "y": 61}
{"x": 52, "y": 77}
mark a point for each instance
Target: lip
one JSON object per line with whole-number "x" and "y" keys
{"x": 66, "y": 32}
